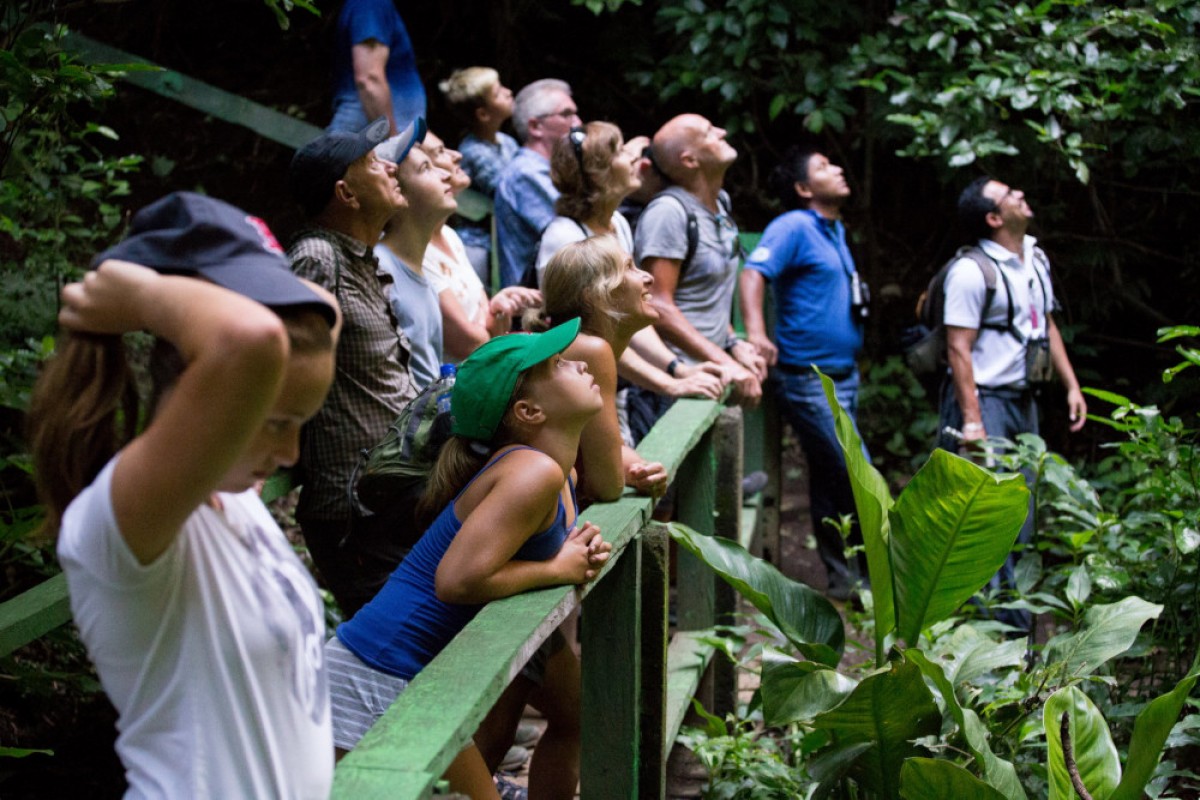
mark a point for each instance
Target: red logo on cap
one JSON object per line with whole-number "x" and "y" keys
{"x": 264, "y": 234}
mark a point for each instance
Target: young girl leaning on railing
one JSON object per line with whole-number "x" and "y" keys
{"x": 505, "y": 487}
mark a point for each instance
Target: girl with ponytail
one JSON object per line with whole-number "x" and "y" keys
{"x": 507, "y": 522}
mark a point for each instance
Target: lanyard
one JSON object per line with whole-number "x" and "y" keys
{"x": 830, "y": 229}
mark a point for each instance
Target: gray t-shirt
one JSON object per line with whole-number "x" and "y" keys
{"x": 418, "y": 314}
{"x": 705, "y": 290}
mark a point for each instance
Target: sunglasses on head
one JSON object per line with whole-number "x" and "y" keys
{"x": 576, "y": 136}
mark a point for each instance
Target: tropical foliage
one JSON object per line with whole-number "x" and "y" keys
{"x": 950, "y": 708}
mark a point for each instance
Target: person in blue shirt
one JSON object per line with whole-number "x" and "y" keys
{"x": 543, "y": 113}
{"x": 819, "y": 313}
{"x": 374, "y": 68}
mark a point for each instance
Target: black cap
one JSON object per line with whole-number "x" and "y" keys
{"x": 190, "y": 234}
{"x": 321, "y": 163}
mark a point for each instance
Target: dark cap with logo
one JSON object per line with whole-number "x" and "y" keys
{"x": 190, "y": 234}
{"x": 319, "y": 165}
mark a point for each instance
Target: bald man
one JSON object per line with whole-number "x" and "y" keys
{"x": 695, "y": 295}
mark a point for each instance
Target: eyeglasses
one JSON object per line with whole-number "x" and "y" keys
{"x": 576, "y": 137}
{"x": 566, "y": 113}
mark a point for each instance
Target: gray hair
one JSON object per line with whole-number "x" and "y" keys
{"x": 533, "y": 101}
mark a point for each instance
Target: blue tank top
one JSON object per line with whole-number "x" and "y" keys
{"x": 405, "y": 625}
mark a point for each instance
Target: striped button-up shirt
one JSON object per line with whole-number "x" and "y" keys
{"x": 373, "y": 380}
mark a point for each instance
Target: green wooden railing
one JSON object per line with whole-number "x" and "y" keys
{"x": 637, "y": 680}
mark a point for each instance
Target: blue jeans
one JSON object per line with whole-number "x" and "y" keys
{"x": 1005, "y": 412}
{"x": 802, "y": 400}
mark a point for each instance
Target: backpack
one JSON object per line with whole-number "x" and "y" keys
{"x": 391, "y": 475}
{"x": 693, "y": 226}
{"x": 925, "y": 343}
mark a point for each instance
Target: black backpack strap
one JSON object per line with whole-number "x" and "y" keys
{"x": 990, "y": 269}
{"x": 692, "y": 229}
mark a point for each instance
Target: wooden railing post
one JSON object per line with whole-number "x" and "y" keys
{"x": 652, "y": 780}
{"x": 624, "y": 643}
{"x": 727, "y": 519}
{"x": 694, "y": 503}
{"x": 710, "y": 502}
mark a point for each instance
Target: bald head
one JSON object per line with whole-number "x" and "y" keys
{"x": 689, "y": 145}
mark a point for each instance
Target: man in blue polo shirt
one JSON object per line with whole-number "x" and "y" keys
{"x": 374, "y": 68}
{"x": 820, "y": 309}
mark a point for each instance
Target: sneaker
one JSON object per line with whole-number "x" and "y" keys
{"x": 514, "y": 759}
{"x": 754, "y": 483}
{"x": 527, "y": 734}
{"x": 509, "y": 790}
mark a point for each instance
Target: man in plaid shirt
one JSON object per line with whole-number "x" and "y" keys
{"x": 348, "y": 193}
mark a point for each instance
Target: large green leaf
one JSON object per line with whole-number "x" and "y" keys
{"x": 797, "y": 691}
{"x": 809, "y": 621}
{"x": 952, "y": 528}
{"x": 872, "y": 499}
{"x": 1000, "y": 774}
{"x": 889, "y": 709}
{"x": 931, "y": 779}
{"x": 1108, "y": 630}
{"x": 1150, "y": 732}
{"x": 972, "y": 654}
{"x": 1095, "y": 753}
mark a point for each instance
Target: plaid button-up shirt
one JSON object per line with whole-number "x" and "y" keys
{"x": 372, "y": 382}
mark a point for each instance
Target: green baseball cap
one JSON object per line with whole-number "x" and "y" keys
{"x": 485, "y": 381}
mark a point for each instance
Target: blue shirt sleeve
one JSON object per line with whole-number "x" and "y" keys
{"x": 776, "y": 249}
{"x": 369, "y": 19}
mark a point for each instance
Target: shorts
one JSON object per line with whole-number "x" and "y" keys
{"x": 359, "y": 694}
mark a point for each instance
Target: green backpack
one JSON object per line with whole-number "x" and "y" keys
{"x": 391, "y": 475}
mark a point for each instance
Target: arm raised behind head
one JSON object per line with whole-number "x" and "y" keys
{"x": 235, "y": 351}
{"x": 514, "y": 499}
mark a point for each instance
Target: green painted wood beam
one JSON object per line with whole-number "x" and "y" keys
{"x": 439, "y": 711}
{"x": 678, "y": 432}
{"x": 266, "y": 122}
{"x": 34, "y": 613}
{"x": 688, "y": 657}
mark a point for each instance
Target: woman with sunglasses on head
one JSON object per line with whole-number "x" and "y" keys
{"x": 595, "y": 169}
{"x": 204, "y": 626}
{"x": 503, "y": 491}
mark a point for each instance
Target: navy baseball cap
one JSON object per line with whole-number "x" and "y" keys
{"x": 189, "y": 234}
{"x": 396, "y": 148}
{"x": 319, "y": 165}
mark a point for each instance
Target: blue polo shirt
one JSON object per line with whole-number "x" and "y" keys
{"x": 805, "y": 258}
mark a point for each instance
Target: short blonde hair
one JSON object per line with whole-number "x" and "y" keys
{"x": 467, "y": 89}
{"x": 580, "y": 281}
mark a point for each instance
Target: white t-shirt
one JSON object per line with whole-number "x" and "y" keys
{"x": 563, "y": 231}
{"x": 456, "y": 275}
{"x": 212, "y": 654}
{"x": 997, "y": 358}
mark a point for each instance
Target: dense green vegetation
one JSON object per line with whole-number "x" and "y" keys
{"x": 949, "y": 707}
